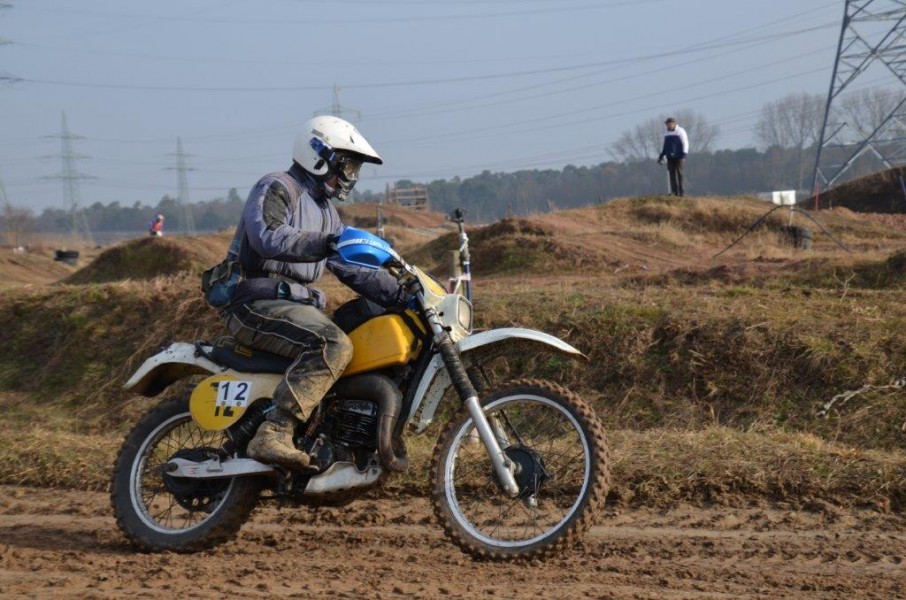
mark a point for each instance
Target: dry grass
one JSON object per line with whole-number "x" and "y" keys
{"x": 709, "y": 373}
{"x": 652, "y": 468}
{"x": 718, "y": 464}
{"x": 34, "y": 267}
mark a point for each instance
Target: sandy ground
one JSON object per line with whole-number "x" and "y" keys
{"x": 65, "y": 544}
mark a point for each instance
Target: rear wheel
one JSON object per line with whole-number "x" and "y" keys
{"x": 559, "y": 450}
{"x": 157, "y": 511}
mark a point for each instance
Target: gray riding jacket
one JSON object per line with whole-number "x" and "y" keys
{"x": 283, "y": 234}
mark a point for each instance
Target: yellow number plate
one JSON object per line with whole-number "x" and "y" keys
{"x": 219, "y": 401}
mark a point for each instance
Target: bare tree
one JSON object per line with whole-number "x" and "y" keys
{"x": 645, "y": 141}
{"x": 635, "y": 144}
{"x": 702, "y": 134}
{"x": 865, "y": 110}
{"x": 792, "y": 123}
{"x": 16, "y": 222}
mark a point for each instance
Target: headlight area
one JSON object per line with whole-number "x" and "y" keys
{"x": 455, "y": 313}
{"x": 464, "y": 314}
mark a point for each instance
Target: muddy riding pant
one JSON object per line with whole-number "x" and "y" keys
{"x": 302, "y": 332}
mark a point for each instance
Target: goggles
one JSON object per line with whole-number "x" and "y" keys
{"x": 347, "y": 167}
{"x": 342, "y": 164}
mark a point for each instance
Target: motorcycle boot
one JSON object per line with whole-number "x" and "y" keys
{"x": 273, "y": 443}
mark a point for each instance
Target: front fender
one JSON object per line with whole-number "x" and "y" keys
{"x": 171, "y": 364}
{"x": 484, "y": 345}
{"x": 509, "y": 335}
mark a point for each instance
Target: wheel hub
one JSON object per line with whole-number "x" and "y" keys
{"x": 529, "y": 473}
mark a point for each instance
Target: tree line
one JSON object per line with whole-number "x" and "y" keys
{"x": 786, "y": 133}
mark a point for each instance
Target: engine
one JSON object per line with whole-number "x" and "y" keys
{"x": 354, "y": 423}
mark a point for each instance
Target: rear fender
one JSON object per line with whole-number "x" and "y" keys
{"x": 475, "y": 349}
{"x": 173, "y": 363}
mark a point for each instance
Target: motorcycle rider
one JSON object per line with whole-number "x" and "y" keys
{"x": 286, "y": 238}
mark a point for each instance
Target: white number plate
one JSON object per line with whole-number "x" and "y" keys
{"x": 233, "y": 393}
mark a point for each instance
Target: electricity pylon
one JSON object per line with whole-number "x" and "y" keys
{"x": 186, "y": 220}
{"x": 337, "y": 109}
{"x": 872, "y": 47}
{"x": 71, "y": 177}
{"x": 6, "y": 77}
{"x": 7, "y": 213}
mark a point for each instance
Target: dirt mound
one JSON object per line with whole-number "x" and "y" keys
{"x": 650, "y": 233}
{"x": 659, "y": 234}
{"x": 365, "y": 215}
{"x": 813, "y": 272}
{"x": 882, "y": 192}
{"x": 147, "y": 258}
{"x": 510, "y": 246}
{"x": 523, "y": 245}
{"x": 697, "y": 215}
{"x": 30, "y": 268}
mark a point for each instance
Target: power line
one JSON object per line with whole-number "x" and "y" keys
{"x": 81, "y": 35}
{"x": 412, "y": 3}
{"x": 263, "y": 132}
{"x": 348, "y": 20}
{"x": 364, "y": 61}
{"x": 410, "y": 83}
{"x": 485, "y": 131}
{"x": 470, "y": 133}
{"x": 705, "y": 45}
{"x": 394, "y": 115}
{"x": 358, "y": 61}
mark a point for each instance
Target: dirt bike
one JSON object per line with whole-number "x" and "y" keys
{"x": 518, "y": 471}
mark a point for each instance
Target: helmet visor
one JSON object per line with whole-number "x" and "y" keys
{"x": 347, "y": 167}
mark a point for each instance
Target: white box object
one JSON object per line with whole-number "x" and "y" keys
{"x": 784, "y": 197}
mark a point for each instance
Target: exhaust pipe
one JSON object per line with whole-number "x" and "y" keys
{"x": 380, "y": 390}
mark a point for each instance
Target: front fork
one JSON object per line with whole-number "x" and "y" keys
{"x": 503, "y": 467}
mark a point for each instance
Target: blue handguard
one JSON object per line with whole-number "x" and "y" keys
{"x": 358, "y": 247}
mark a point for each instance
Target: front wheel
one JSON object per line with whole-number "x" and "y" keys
{"x": 558, "y": 448}
{"x": 157, "y": 511}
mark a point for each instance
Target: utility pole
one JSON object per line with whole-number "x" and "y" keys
{"x": 186, "y": 220}
{"x": 3, "y": 40}
{"x": 71, "y": 177}
{"x": 336, "y": 108}
{"x": 871, "y": 46}
{"x": 7, "y": 214}
{"x": 7, "y": 207}
{"x": 5, "y": 77}
{"x": 4, "y": 5}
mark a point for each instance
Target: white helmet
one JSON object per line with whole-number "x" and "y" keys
{"x": 331, "y": 146}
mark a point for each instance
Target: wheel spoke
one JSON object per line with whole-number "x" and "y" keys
{"x": 171, "y": 503}
{"x": 551, "y": 451}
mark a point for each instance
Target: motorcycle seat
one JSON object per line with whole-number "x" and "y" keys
{"x": 228, "y": 352}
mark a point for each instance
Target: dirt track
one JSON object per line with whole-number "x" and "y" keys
{"x": 64, "y": 544}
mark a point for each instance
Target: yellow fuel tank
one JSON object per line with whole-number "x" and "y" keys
{"x": 384, "y": 341}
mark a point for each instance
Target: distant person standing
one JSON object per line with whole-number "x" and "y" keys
{"x": 676, "y": 147}
{"x": 156, "y": 226}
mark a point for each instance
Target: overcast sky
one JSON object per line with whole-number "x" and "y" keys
{"x": 442, "y": 87}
